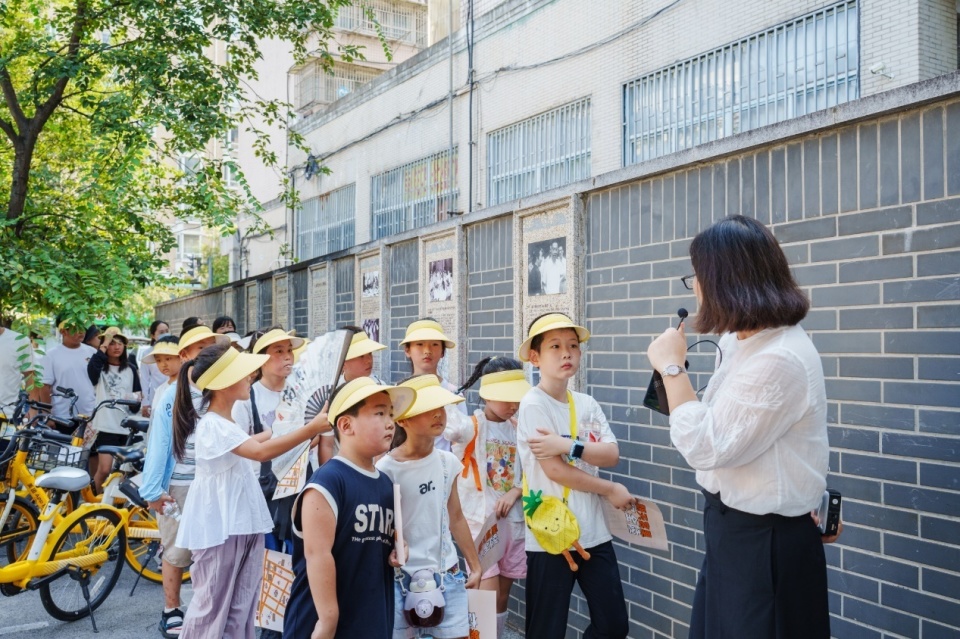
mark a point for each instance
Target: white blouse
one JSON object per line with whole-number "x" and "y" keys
{"x": 225, "y": 497}
{"x": 759, "y": 436}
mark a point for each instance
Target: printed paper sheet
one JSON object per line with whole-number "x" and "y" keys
{"x": 641, "y": 524}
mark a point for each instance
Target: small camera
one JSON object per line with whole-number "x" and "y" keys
{"x": 829, "y": 513}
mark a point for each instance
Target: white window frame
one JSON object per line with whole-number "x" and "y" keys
{"x": 326, "y": 224}
{"x": 314, "y": 86}
{"x": 798, "y": 67}
{"x": 540, "y": 153}
{"x": 413, "y": 195}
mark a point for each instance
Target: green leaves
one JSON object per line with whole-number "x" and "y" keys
{"x": 532, "y": 501}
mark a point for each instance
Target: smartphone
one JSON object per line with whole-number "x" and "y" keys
{"x": 656, "y": 397}
{"x": 829, "y": 512}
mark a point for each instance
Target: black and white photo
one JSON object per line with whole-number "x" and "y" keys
{"x": 547, "y": 267}
{"x": 371, "y": 284}
{"x": 372, "y": 328}
{"x": 441, "y": 280}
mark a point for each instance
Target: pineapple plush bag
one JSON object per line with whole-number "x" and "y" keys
{"x": 551, "y": 521}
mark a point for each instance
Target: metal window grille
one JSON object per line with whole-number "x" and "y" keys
{"x": 240, "y": 309}
{"x": 403, "y": 22}
{"x": 314, "y": 86}
{"x": 300, "y": 306}
{"x": 326, "y": 224}
{"x": 265, "y": 301}
{"x": 540, "y": 153}
{"x": 798, "y": 67}
{"x": 413, "y": 195}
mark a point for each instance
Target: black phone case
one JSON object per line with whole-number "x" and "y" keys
{"x": 656, "y": 397}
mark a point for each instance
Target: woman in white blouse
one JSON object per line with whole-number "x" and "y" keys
{"x": 758, "y": 439}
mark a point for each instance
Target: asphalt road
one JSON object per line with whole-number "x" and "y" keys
{"x": 119, "y": 617}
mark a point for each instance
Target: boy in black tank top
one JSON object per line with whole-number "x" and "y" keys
{"x": 343, "y": 523}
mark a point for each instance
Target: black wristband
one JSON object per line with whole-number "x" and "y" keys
{"x": 577, "y": 451}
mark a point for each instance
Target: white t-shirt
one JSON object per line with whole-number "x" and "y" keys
{"x": 759, "y": 436}
{"x": 67, "y": 367}
{"x": 225, "y": 498}
{"x": 539, "y": 410}
{"x": 11, "y": 368}
{"x": 552, "y": 272}
{"x": 114, "y": 384}
{"x": 267, "y": 402}
{"x": 425, "y": 486}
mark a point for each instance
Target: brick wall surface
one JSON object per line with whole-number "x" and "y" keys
{"x": 490, "y": 307}
{"x": 404, "y": 299}
{"x": 868, "y": 213}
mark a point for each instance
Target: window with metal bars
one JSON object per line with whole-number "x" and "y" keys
{"x": 300, "y": 302}
{"x": 314, "y": 86}
{"x": 265, "y": 301}
{"x": 403, "y": 22}
{"x": 326, "y": 224}
{"x": 798, "y": 67}
{"x": 413, "y": 195}
{"x": 539, "y": 153}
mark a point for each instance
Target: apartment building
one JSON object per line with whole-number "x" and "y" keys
{"x": 616, "y": 131}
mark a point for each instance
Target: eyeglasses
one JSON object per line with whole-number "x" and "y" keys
{"x": 688, "y": 281}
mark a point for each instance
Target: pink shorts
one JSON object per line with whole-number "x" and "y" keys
{"x": 513, "y": 564}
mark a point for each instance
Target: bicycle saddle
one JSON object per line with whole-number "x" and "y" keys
{"x": 122, "y": 454}
{"x": 64, "y": 478}
{"x": 138, "y": 425}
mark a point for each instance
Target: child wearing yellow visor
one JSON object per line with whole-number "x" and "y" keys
{"x": 491, "y": 478}
{"x": 224, "y": 516}
{"x": 427, "y": 478}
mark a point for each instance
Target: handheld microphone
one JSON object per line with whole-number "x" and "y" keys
{"x": 656, "y": 397}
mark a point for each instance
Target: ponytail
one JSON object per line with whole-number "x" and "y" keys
{"x": 487, "y": 365}
{"x": 477, "y": 374}
{"x": 185, "y": 416}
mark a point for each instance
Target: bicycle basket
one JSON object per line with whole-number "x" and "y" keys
{"x": 46, "y": 455}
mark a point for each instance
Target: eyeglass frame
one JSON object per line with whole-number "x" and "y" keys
{"x": 687, "y": 281}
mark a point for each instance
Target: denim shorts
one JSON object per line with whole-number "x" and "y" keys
{"x": 454, "y": 622}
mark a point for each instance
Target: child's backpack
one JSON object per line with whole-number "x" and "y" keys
{"x": 552, "y": 523}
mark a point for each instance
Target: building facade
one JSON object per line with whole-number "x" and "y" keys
{"x": 609, "y": 136}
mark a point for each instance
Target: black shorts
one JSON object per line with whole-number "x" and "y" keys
{"x": 108, "y": 439}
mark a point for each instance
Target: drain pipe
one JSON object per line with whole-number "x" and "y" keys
{"x": 470, "y": 82}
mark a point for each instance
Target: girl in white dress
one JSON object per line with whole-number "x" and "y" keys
{"x": 225, "y": 516}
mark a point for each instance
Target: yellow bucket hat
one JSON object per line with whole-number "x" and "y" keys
{"x": 550, "y": 322}
{"x": 361, "y": 344}
{"x": 230, "y": 369}
{"x": 430, "y": 395}
{"x": 504, "y": 386}
{"x": 272, "y": 337}
{"x": 161, "y": 348}
{"x": 427, "y": 331}
{"x": 198, "y": 333}
{"x": 357, "y": 390}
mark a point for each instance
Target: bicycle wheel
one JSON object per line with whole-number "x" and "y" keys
{"x": 143, "y": 544}
{"x": 18, "y": 530}
{"x": 96, "y": 543}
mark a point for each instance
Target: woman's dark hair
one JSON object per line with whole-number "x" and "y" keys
{"x": 489, "y": 365}
{"x": 124, "y": 357}
{"x": 92, "y": 331}
{"x": 744, "y": 278}
{"x": 154, "y": 325}
{"x": 184, "y": 414}
{"x": 190, "y": 322}
{"x": 220, "y": 321}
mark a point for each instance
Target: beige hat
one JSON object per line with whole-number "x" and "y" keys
{"x": 430, "y": 395}
{"x": 230, "y": 369}
{"x": 550, "y": 322}
{"x": 504, "y": 386}
{"x": 161, "y": 348}
{"x": 361, "y": 344}
{"x": 357, "y": 390}
{"x": 198, "y": 333}
{"x": 272, "y": 337}
{"x": 427, "y": 331}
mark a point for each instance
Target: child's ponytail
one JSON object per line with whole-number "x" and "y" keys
{"x": 487, "y": 365}
{"x": 185, "y": 416}
{"x": 477, "y": 374}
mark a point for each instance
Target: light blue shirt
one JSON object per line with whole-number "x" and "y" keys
{"x": 160, "y": 465}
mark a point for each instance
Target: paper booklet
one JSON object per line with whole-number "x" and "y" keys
{"x": 641, "y": 524}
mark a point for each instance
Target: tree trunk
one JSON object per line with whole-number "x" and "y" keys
{"x": 20, "y": 177}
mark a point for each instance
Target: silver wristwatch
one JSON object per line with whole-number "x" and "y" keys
{"x": 672, "y": 370}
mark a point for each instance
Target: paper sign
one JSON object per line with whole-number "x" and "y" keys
{"x": 294, "y": 478}
{"x": 274, "y": 590}
{"x": 398, "y": 526}
{"x": 491, "y": 542}
{"x": 482, "y": 614}
{"x": 641, "y": 524}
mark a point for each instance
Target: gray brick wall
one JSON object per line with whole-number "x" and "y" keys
{"x": 344, "y": 297}
{"x": 869, "y": 216}
{"x": 404, "y": 305}
{"x": 490, "y": 307}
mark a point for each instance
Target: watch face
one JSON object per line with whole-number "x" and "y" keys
{"x": 672, "y": 369}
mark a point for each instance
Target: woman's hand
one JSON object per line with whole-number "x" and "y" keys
{"x": 548, "y": 444}
{"x": 831, "y": 538}
{"x": 669, "y": 348}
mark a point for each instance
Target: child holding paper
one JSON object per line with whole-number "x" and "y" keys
{"x": 343, "y": 523}
{"x": 490, "y": 482}
{"x": 562, "y": 439}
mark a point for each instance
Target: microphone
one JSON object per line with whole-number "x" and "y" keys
{"x": 682, "y": 314}
{"x": 656, "y": 397}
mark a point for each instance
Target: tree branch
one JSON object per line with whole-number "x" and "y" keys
{"x": 10, "y": 97}
{"x": 7, "y": 128}
{"x": 73, "y": 50}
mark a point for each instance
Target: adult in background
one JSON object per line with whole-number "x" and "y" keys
{"x": 189, "y": 324}
{"x": 224, "y": 324}
{"x": 65, "y": 365}
{"x": 758, "y": 439}
{"x": 92, "y": 336}
{"x": 150, "y": 376}
{"x": 13, "y": 369}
